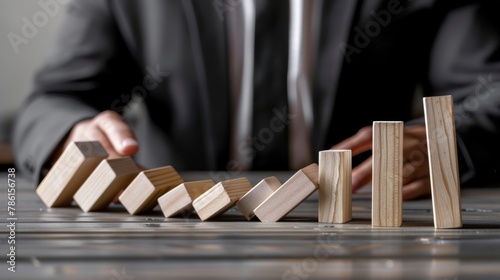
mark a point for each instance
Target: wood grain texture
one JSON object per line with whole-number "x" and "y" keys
{"x": 387, "y": 174}
{"x": 69, "y": 172}
{"x": 109, "y": 178}
{"x": 220, "y": 198}
{"x": 443, "y": 161}
{"x": 287, "y": 197}
{"x": 335, "y": 189}
{"x": 70, "y": 243}
{"x": 180, "y": 199}
{"x": 257, "y": 195}
{"x": 143, "y": 192}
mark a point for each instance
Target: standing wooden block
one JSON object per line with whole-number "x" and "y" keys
{"x": 287, "y": 197}
{"x": 143, "y": 192}
{"x": 180, "y": 199}
{"x": 220, "y": 198}
{"x": 387, "y": 174}
{"x": 257, "y": 195}
{"x": 335, "y": 190}
{"x": 443, "y": 161}
{"x": 69, "y": 172}
{"x": 109, "y": 178}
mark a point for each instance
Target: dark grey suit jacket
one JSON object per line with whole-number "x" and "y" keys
{"x": 172, "y": 55}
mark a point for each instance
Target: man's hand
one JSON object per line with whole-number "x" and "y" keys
{"x": 416, "y": 180}
{"x": 108, "y": 128}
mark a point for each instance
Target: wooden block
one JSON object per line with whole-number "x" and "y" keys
{"x": 143, "y": 192}
{"x": 257, "y": 195}
{"x": 287, "y": 197}
{"x": 180, "y": 199}
{"x": 387, "y": 174}
{"x": 69, "y": 172}
{"x": 335, "y": 189}
{"x": 220, "y": 198}
{"x": 443, "y": 161}
{"x": 109, "y": 178}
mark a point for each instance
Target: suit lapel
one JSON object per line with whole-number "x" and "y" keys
{"x": 207, "y": 33}
{"x": 335, "y": 27}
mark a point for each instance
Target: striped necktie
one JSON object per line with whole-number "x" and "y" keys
{"x": 301, "y": 44}
{"x": 241, "y": 46}
{"x": 241, "y": 31}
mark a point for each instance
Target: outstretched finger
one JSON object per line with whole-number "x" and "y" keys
{"x": 93, "y": 133}
{"x": 118, "y": 132}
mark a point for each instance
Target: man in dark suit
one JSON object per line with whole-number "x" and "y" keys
{"x": 369, "y": 59}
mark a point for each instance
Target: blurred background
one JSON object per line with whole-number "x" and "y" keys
{"x": 27, "y": 30}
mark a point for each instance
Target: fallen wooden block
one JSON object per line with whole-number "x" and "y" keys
{"x": 257, "y": 195}
{"x": 387, "y": 174}
{"x": 287, "y": 197}
{"x": 69, "y": 172}
{"x": 180, "y": 199}
{"x": 443, "y": 161}
{"x": 220, "y": 198}
{"x": 335, "y": 190}
{"x": 109, "y": 178}
{"x": 143, "y": 192}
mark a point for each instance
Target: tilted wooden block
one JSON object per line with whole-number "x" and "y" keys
{"x": 287, "y": 197}
{"x": 220, "y": 198}
{"x": 109, "y": 178}
{"x": 443, "y": 161}
{"x": 257, "y": 195}
{"x": 69, "y": 172}
{"x": 335, "y": 189}
{"x": 143, "y": 192}
{"x": 387, "y": 174}
{"x": 180, "y": 199}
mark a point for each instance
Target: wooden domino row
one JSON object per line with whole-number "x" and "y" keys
{"x": 83, "y": 173}
{"x": 334, "y": 204}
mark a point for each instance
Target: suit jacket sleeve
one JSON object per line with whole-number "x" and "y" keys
{"x": 85, "y": 75}
{"x": 465, "y": 62}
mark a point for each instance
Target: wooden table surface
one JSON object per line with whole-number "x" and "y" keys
{"x": 65, "y": 243}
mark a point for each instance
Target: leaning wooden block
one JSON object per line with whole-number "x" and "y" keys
{"x": 443, "y": 161}
{"x": 143, "y": 192}
{"x": 387, "y": 174}
{"x": 180, "y": 199}
{"x": 69, "y": 172}
{"x": 335, "y": 190}
{"x": 257, "y": 195}
{"x": 220, "y": 198}
{"x": 109, "y": 178}
{"x": 287, "y": 197}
